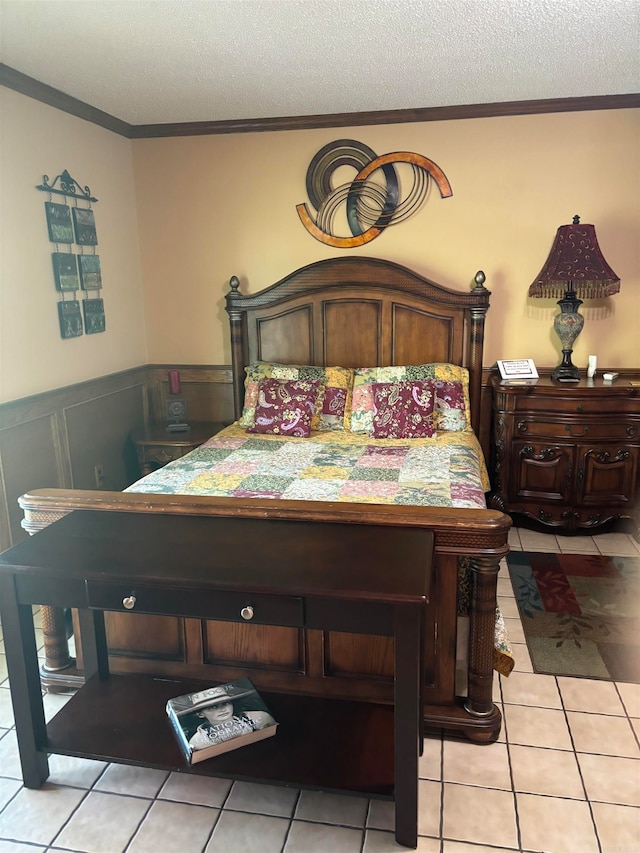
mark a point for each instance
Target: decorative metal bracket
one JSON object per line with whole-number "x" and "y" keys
{"x": 68, "y": 186}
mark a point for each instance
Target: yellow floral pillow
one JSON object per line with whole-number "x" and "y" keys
{"x": 452, "y": 407}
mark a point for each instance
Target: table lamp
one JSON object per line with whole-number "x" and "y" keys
{"x": 575, "y": 270}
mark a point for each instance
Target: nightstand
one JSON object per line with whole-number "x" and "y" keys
{"x": 156, "y": 446}
{"x": 567, "y": 455}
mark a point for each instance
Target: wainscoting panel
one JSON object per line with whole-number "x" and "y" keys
{"x": 99, "y": 432}
{"x": 58, "y": 438}
{"x": 207, "y": 391}
{"x": 33, "y": 456}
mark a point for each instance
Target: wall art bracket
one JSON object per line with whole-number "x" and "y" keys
{"x": 68, "y": 187}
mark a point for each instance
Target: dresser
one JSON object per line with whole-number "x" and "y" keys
{"x": 567, "y": 454}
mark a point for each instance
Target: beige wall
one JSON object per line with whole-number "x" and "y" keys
{"x": 36, "y": 140}
{"x": 214, "y": 206}
{"x": 208, "y": 207}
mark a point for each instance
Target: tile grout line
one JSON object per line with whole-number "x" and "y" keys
{"x": 626, "y": 711}
{"x": 138, "y": 826}
{"x": 513, "y": 784}
{"x": 215, "y": 822}
{"x": 366, "y": 824}
{"x": 575, "y": 755}
{"x": 66, "y": 822}
{"x": 287, "y": 834}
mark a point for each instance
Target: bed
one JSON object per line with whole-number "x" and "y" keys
{"x": 373, "y": 317}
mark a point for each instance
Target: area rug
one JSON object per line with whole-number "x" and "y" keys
{"x": 580, "y": 613}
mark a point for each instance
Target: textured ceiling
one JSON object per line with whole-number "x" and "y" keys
{"x": 156, "y": 61}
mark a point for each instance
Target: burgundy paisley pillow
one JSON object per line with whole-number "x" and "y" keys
{"x": 285, "y": 407}
{"x": 403, "y": 409}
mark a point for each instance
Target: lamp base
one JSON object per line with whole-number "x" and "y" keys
{"x": 568, "y": 325}
{"x": 566, "y": 373}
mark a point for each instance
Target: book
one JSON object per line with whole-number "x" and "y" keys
{"x": 219, "y": 719}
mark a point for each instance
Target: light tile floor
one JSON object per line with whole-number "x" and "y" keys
{"x": 564, "y": 777}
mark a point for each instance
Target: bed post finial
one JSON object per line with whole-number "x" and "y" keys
{"x": 478, "y": 313}
{"x": 238, "y": 345}
{"x": 479, "y": 280}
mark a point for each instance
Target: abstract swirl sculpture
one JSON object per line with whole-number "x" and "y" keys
{"x": 371, "y": 205}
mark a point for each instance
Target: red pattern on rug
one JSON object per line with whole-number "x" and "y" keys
{"x": 580, "y": 613}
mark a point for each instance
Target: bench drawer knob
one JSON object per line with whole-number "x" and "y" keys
{"x": 247, "y": 612}
{"x": 129, "y": 602}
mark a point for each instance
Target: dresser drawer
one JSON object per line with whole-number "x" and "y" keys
{"x": 580, "y": 404}
{"x": 613, "y": 429}
{"x": 227, "y": 606}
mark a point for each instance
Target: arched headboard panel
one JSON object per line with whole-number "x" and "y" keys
{"x": 358, "y": 312}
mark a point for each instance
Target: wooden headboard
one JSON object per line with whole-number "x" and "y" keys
{"x": 358, "y": 312}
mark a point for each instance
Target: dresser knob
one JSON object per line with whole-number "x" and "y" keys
{"x": 129, "y": 602}
{"x": 247, "y": 612}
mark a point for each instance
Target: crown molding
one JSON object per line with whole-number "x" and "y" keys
{"x": 33, "y": 88}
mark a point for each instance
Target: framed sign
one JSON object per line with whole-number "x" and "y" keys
{"x": 59, "y": 222}
{"x": 65, "y": 270}
{"x": 70, "y": 318}
{"x": 93, "y": 310}
{"x": 520, "y": 368}
{"x": 85, "y": 226}
{"x": 90, "y": 275}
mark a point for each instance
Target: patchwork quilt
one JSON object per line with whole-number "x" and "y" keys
{"x": 446, "y": 470}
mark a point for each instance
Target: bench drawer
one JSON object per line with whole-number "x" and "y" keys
{"x": 226, "y": 606}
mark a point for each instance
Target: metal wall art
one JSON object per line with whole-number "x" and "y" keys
{"x": 372, "y": 198}
{"x": 73, "y": 271}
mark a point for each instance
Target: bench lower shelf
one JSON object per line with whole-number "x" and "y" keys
{"x": 333, "y": 745}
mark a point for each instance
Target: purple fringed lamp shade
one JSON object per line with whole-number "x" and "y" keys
{"x": 575, "y": 263}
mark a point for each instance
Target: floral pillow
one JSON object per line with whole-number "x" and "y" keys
{"x": 335, "y": 405}
{"x": 450, "y": 407}
{"x": 286, "y": 407}
{"x": 447, "y": 374}
{"x": 403, "y": 409}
